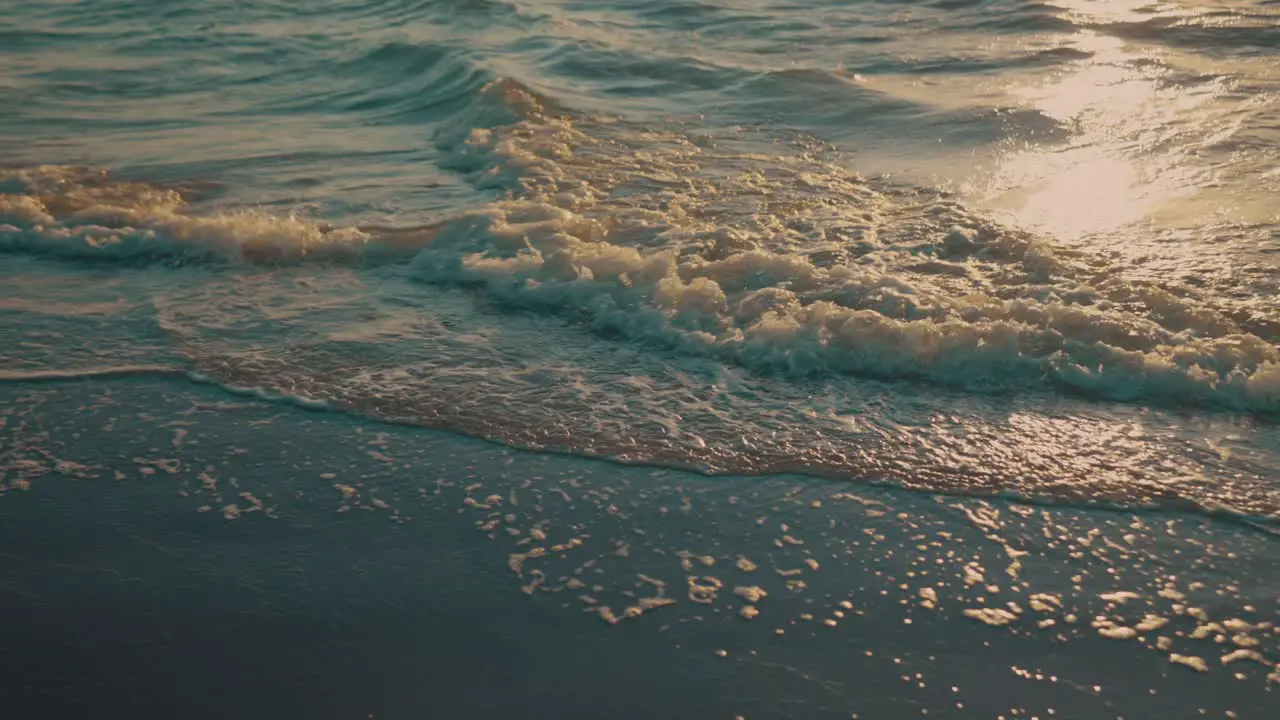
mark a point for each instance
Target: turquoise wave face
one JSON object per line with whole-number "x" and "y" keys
{"x": 1035, "y": 254}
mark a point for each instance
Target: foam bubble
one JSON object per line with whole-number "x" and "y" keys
{"x": 991, "y": 616}
{"x": 1192, "y": 661}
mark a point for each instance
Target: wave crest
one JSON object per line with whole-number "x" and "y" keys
{"x": 84, "y": 214}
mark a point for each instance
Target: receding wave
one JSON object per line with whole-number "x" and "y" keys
{"x": 525, "y": 380}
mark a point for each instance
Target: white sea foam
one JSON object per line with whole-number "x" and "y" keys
{"x": 748, "y": 259}
{"x": 79, "y": 213}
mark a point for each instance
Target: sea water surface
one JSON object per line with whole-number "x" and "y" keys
{"x": 980, "y": 294}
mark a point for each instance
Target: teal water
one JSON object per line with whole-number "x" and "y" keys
{"x": 1001, "y": 255}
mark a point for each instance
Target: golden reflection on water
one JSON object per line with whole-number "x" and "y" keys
{"x": 1126, "y": 158}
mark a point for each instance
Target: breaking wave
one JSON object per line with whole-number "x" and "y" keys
{"x": 787, "y": 263}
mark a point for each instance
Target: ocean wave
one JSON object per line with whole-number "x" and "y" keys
{"x": 781, "y": 313}
{"x": 83, "y": 214}
{"x": 977, "y": 61}
{"x": 735, "y": 246}
{"x": 1215, "y": 31}
{"x": 88, "y": 214}
{"x": 388, "y": 83}
{"x": 626, "y": 71}
{"x": 89, "y": 373}
{"x": 780, "y": 264}
{"x": 666, "y": 245}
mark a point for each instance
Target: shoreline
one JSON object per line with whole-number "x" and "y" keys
{"x": 265, "y": 549}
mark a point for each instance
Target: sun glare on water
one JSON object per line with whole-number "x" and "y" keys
{"x": 1133, "y": 131}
